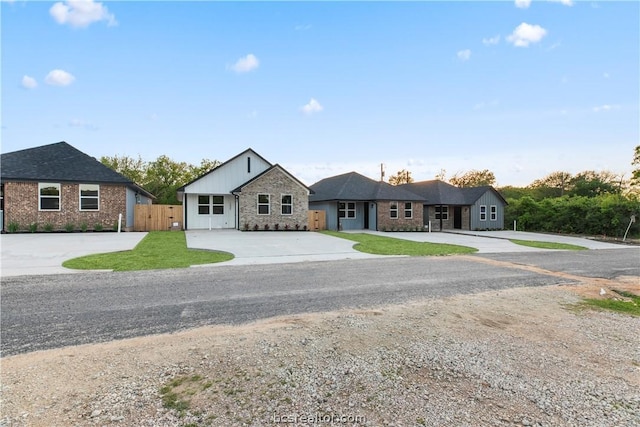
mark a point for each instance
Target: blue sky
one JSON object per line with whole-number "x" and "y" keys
{"x": 520, "y": 88}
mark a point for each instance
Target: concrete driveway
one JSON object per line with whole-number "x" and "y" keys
{"x": 42, "y": 253}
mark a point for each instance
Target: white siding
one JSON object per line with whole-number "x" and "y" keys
{"x": 229, "y": 176}
{"x": 196, "y": 221}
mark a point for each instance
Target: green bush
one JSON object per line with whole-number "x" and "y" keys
{"x": 33, "y": 227}
{"x": 97, "y": 227}
{"x": 69, "y": 227}
{"x": 13, "y": 227}
{"x": 48, "y": 227}
{"x": 83, "y": 226}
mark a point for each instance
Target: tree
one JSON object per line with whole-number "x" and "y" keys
{"x": 164, "y": 176}
{"x": 134, "y": 169}
{"x": 553, "y": 185}
{"x": 592, "y": 183}
{"x": 635, "y": 174}
{"x": 196, "y": 171}
{"x": 474, "y": 178}
{"x": 402, "y": 177}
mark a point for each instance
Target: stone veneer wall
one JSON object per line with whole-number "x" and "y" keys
{"x": 21, "y": 207}
{"x": 385, "y": 222}
{"x": 448, "y": 223}
{"x": 275, "y": 183}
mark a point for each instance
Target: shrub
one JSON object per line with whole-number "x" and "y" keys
{"x": 304, "y": 228}
{"x": 266, "y": 227}
{"x": 286, "y": 227}
{"x": 256, "y": 227}
{"x": 69, "y": 227}
{"x": 297, "y": 227}
{"x": 33, "y": 227}
{"x": 115, "y": 226}
{"x": 246, "y": 226}
{"x": 13, "y": 227}
{"x": 48, "y": 227}
{"x": 277, "y": 227}
{"x": 83, "y": 226}
{"x": 97, "y": 227}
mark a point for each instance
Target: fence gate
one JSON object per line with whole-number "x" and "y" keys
{"x": 317, "y": 220}
{"x": 157, "y": 217}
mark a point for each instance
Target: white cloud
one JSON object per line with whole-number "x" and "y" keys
{"x": 246, "y": 64}
{"x": 525, "y": 34}
{"x": 491, "y": 40}
{"x": 302, "y": 27}
{"x": 464, "y": 55}
{"x": 605, "y": 107}
{"x": 29, "y": 82}
{"x": 523, "y": 4}
{"x": 312, "y": 107}
{"x": 81, "y": 13}
{"x": 59, "y": 78}
{"x": 564, "y": 2}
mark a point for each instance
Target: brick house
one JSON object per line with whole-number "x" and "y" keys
{"x": 243, "y": 192}
{"x": 354, "y": 202}
{"x": 57, "y": 186}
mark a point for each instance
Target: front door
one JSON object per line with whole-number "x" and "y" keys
{"x": 457, "y": 217}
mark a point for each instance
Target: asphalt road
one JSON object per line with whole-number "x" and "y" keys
{"x": 43, "y": 312}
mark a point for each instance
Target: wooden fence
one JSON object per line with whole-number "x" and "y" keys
{"x": 317, "y": 220}
{"x": 157, "y": 217}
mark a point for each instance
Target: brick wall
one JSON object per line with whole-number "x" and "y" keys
{"x": 447, "y": 224}
{"x": 21, "y": 207}
{"x": 385, "y": 222}
{"x": 275, "y": 183}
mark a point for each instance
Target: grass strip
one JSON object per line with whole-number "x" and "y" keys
{"x": 382, "y": 245}
{"x": 158, "y": 250}
{"x": 548, "y": 245}
{"x": 629, "y": 305}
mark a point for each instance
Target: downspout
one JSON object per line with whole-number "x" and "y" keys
{"x": 184, "y": 210}
{"x": 238, "y": 208}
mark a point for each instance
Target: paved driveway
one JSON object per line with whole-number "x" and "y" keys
{"x": 42, "y": 253}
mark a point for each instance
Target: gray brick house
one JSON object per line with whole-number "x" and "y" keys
{"x": 244, "y": 192}
{"x": 60, "y": 186}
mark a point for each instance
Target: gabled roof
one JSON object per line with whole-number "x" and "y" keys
{"x": 438, "y": 192}
{"x": 59, "y": 162}
{"x": 276, "y": 166}
{"x": 221, "y": 165}
{"x": 356, "y": 187}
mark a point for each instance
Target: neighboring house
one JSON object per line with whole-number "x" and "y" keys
{"x": 448, "y": 207}
{"x": 354, "y": 202}
{"x": 243, "y": 192}
{"x": 59, "y": 185}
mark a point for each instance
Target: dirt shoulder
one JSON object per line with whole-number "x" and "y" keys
{"x": 522, "y": 356}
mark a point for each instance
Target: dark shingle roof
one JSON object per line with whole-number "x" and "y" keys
{"x": 438, "y": 192}
{"x": 356, "y": 187}
{"x": 59, "y": 162}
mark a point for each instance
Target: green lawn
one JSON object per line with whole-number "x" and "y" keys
{"x": 629, "y": 306}
{"x": 159, "y": 249}
{"x": 548, "y": 245}
{"x": 380, "y": 245}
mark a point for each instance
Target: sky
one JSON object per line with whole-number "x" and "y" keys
{"x": 521, "y": 88}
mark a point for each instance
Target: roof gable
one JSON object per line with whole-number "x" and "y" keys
{"x": 274, "y": 167}
{"x": 57, "y": 162}
{"x": 229, "y": 164}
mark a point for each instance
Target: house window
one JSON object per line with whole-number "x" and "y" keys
{"x": 203, "y": 205}
{"x": 248, "y": 164}
{"x": 89, "y": 197}
{"x": 263, "y": 204}
{"x": 287, "y": 204}
{"x": 408, "y": 210}
{"x": 218, "y": 205}
{"x": 483, "y": 213}
{"x": 442, "y": 212}
{"x": 347, "y": 210}
{"x": 494, "y": 213}
{"x": 49, "y": 196}
{"x": 393, "y": 210}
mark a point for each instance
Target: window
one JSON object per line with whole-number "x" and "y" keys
{"x": 287, "y": 204}
{"x": 263, "y": 204}
{"x": 483, "y": 213}
{"x": 347, "y": 210}
{"x": 494, "y": 213}
{"x": 49, "y": 196}
{"x": 393, "y": 210}
{"x": 89, "y": 197}
{"x": 203, "y": 205}
{"x": 248, "y": 164}
{"x": 218, "y": 205}
{"x": 408, "y": 210}
{"x": 442, "y": 212}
